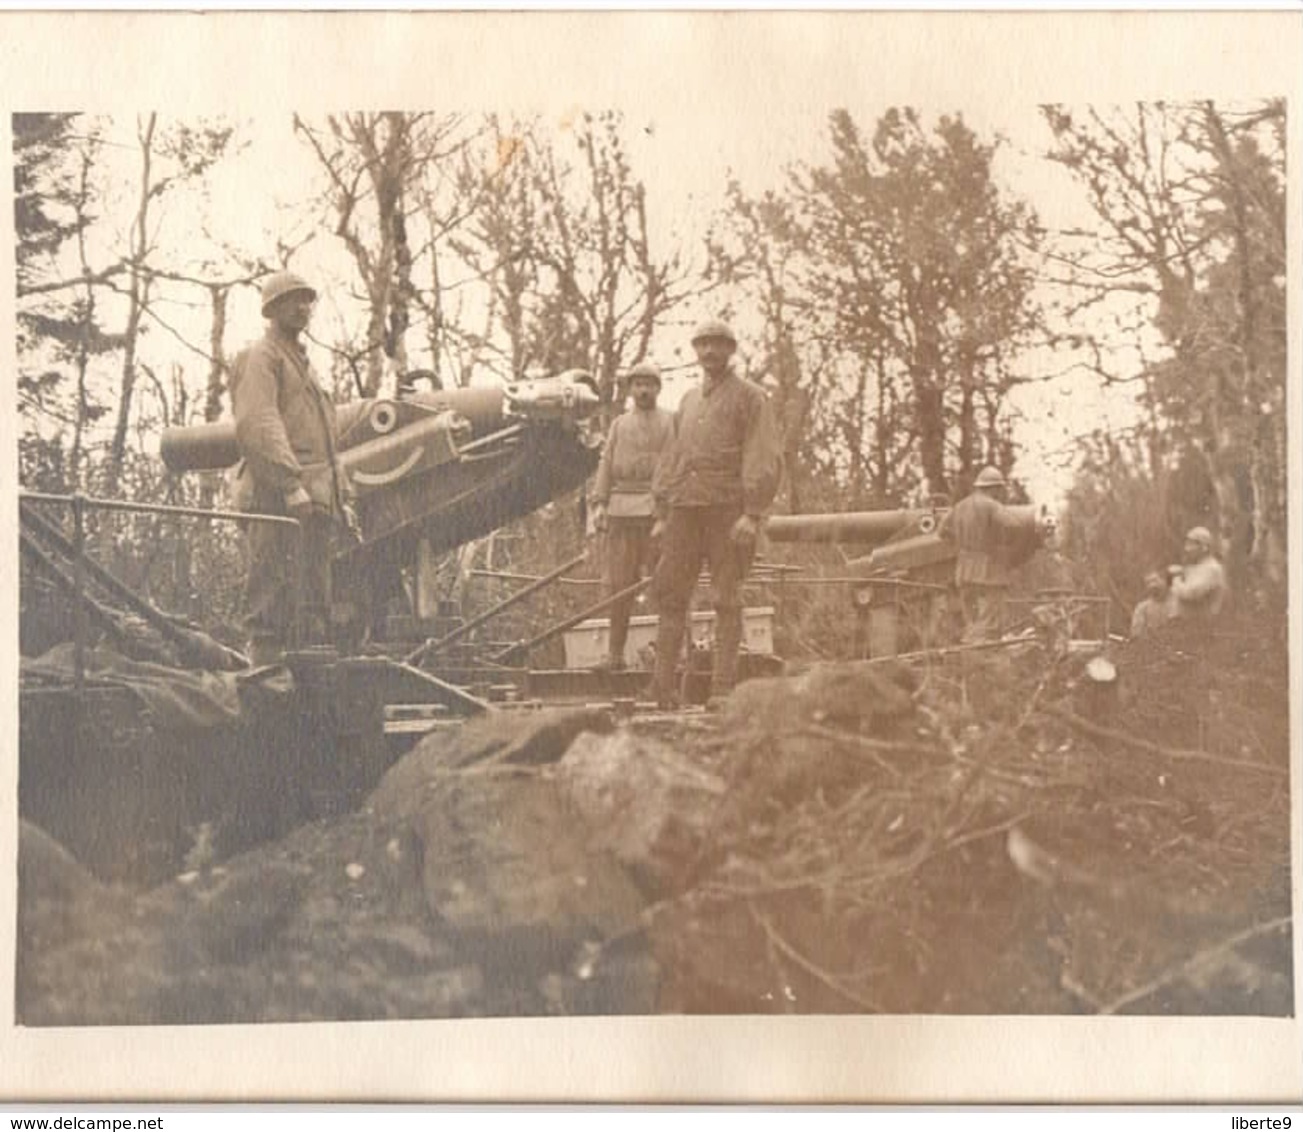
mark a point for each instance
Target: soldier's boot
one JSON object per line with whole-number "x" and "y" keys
{"x": 619, "y": 637}
{"x": 728, "y": 639}
{"x": 669, "y": 642}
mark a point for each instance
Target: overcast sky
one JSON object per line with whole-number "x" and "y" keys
{"x": 686, "y": 157}
{"x": 703, "y": 93}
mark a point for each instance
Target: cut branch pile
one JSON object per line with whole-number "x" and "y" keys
{"x": 862, "y": 855}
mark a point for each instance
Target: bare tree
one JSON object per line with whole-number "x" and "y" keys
{"x": 169, "y": 157}
{"x": 1190, "y": 199}
{"x": 758, "y": 255}
{"x": 896, "y": 289}
{"x": 603, "y": 287}
{"x": 374, "y": 164}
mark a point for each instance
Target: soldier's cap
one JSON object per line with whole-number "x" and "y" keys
{"x": 648, "y": 371}
{"x": 989, "y": 477}
{"x": 1154, "y": 578}
{"x": 714, "y": 328}
{"x": 1201, "y": 535}
{"x": 281, "y": 283}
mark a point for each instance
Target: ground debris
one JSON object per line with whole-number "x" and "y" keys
{"x": 962, "y": 836}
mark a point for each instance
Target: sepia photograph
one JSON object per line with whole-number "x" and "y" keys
{"x": 683, "y": 545}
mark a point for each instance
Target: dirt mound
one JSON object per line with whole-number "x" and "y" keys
{"x": 462, "y": 888}
{"x": 996, "y": 836}
{"x": 990, "y": 832}
{"x": 1220, "y": 690}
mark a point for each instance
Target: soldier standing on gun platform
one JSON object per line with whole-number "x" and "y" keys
{"x": 623, "y": 508}
{"x": 981, "y": 525}
{"x": 285, "y": 428}
{"x": 713, "y": 487}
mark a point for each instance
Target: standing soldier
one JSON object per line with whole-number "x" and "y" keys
{"x": 987, "y": 534}
{"x": 713, "y": 487}
{"x": 285, "y": 428}
{"x": 1199, "y": 584}
{"x": 623, "y": 508}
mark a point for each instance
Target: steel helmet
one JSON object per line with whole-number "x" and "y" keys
{"x": 281, "y": 283}
{"x": 1201, "y": 535}
{"x": 989, "y": 477}
{"x": 649, "y": 370}
{"x": 714, "y": 328}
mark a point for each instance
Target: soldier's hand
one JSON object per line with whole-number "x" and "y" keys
{"x": 599, "y": 518}
{"x": 745, "y": 530}
{"x": 299, "y": 505}
{"x": 657, "y": 532}
{"x": 351, "y": 523}
{"x": 1175, "y": 571}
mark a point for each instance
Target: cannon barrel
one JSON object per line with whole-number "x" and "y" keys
{"x": 212, "y": 447}
{"x": 859, "y": 527}
{"x": 918, "y": 549}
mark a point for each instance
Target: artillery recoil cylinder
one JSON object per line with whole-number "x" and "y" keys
{"x": 212, "y": 447}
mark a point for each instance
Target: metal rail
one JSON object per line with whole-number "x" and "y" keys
{"x": 569, "y": 623}
{"x": 416, "y": 657}
{"x": 153, "y": 508}
{"x": 79, "y": 504}
{"x": 508, "y": 576}
{"x": 183, "y": 638}
{"x": 68, "y": 584}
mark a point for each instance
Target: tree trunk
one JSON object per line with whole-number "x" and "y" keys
{"x": 400, "y": 305}
{"x": 137, "y": 297}
{"x": 217, "y": 354}
{"x": 967, "y": 430}
{"x": 1264, "y": 538}
{"x": 87, "y": 329}
{"x": 216, "y": 382}
{"x": 375, "y": 337}
{"x": 857, "y": 436}
{"x": 434, "y": 334}
{"x": 929, "y": 406}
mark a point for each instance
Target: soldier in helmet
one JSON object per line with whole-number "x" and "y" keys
{"x": 1155, "y": 610}
{"x": 981, "y": 526}
{"x": 1199, "y": 586}
{"x": 713, "y": 487}
{"x": 621, "y": 497}
{"x": 285, "y": 428}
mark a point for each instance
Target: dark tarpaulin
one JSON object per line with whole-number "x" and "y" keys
{"x": 177, "y": 699}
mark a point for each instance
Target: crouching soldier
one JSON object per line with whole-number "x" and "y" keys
{"x": 1156, "y": 608}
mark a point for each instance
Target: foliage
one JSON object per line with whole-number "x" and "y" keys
{"x": 563, "y": 245}
{"x": 896, "y": 289}
{"x": 1190, "y": 201}
{"x": 59, "y": 325}
{"x": 889, "y": 295}
{"x": 1124, "y": 520}
{"x": 378, "y": 168}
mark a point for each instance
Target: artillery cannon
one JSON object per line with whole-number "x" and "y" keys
{"x": 853, "y": 527}
{"x": 907, "y": 574}
{"x": 246, "y": 750}
{"x": 437, "y": 469}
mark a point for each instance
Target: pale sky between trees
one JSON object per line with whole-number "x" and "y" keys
{"x": 266, "y": 190}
